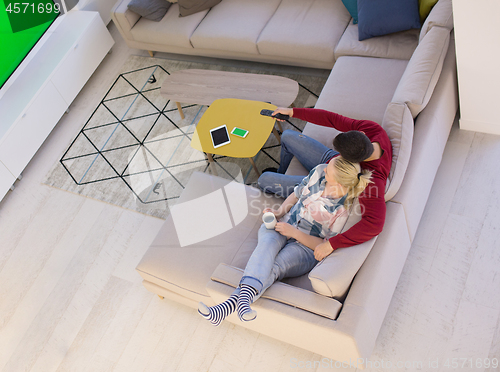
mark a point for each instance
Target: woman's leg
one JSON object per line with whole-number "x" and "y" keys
{"x": 262, "y": 259}
{"x": 258, "y": 269}
{"x": 293, "y": 260}
{"x": 216, "y": 314}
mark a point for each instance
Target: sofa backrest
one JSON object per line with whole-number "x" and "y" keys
{"x": 398, "y": 123}
{"x": 441, "y": 15}
{"x": 422, "y": 73}
{"x": 411, "y": 96}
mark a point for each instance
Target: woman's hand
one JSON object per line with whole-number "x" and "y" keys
{"x": 322, "y": 250}
{"x": 286, "y": 229}
{"x": 283, "y": 110}
{"x": 277, "y": 212}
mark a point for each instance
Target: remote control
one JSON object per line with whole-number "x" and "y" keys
{"x": 277, "y": 116}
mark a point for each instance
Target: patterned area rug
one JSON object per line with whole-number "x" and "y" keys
{"x": 134, "y": 150}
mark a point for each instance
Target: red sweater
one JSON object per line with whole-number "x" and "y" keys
{"x": 372, "y": 199}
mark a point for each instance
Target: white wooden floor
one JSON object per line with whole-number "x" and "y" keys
{"x": 70, "y": 299}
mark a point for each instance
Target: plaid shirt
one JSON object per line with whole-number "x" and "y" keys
{"x": 313, "y": 213}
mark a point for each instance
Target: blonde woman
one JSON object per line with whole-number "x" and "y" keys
{"x": 313, "y": 213}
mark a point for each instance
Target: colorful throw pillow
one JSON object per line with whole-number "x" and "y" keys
{"x": 188, "y": 7}
{"x": 352, "y": 8}
{"x": 382, "y": 17}
{"x": 425, "y": 7}
{"x": 153, "y": 10}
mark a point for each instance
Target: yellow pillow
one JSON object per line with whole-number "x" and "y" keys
{"x": 425, "y": 7}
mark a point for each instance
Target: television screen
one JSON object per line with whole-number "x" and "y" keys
{"x": 22, "y": 24}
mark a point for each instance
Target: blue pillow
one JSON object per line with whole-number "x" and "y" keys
{"x": 352, "y": 8}
{"x": 382, "y": 17}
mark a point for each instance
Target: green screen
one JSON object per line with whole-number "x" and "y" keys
{"x": 239, "y": 132}
{"x": 22, "y": 24}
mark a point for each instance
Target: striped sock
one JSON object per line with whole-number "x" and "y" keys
{"x": 216, "y": 314}
{"x": 245, "y": 312}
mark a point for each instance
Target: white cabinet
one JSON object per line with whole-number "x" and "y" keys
{"x": 42, "y": 91}
{"x": 6, "y": 179}
{"x": 27, "y": 135}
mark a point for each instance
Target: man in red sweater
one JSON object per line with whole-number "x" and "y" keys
{"x": 363, "y": 141}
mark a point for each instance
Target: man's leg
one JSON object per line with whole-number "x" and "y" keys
{"x": 308, "y": 151}
{"x": 279, "y": 184}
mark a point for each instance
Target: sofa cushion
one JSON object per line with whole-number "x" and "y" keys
{"x": 420, "y": 77}
{"x": 171, "y": 30}
{"x": 382, "y": 17}
{"x": 153, "y": 10}
{"x": 284, "y": 293}
{"x": 371, "y": 81}
{"x": 306, "y": 29}
{"x": 333, "y": 276}
{"x": 188, "y": 7}
{"x": 441, "y": 15}
{"x": 398, "y": 123}
{"x": 424, "y": 8}
{"x": 399, "y": 45}
{"x": 234, "y": 25}
{"x": 352, "y": 8}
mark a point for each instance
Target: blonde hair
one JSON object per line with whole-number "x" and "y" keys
{"x": 351, "y": 176}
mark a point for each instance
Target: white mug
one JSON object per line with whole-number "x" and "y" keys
{"x": 269, "y": 220}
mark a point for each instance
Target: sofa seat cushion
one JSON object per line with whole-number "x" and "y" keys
{"x": 399, "y": 45}
{"x": 284, "y": 293}
{"x": 422, "y": 73}
{"x": 171, "y": 30}
{"x": 234, "y": 25}
{"x": 185, "y": 266}
{"x": 306, "y": 29}
{"x": 359, "y": 88}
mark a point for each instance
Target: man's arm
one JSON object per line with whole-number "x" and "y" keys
{"x": 327, "y": 119}
{"x": 370, "y": 225}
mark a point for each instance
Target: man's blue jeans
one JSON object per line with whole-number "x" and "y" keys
{"x": 308, "y": 152}
{"x": 276, "y": 257}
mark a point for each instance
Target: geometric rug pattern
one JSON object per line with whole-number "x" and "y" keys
{"x": 134, "y": 149}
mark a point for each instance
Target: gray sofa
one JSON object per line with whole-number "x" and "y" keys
{"x": 404, "y": 81}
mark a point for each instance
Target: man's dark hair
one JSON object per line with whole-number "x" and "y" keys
{"x": 354, "y": 146}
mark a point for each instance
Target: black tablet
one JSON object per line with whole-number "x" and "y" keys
{"x": 220, "y": 136}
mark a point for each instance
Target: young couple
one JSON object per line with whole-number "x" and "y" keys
{"x": 316, "y": 206}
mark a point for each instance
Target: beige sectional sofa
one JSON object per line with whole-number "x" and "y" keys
{"x": 404, "y": 81}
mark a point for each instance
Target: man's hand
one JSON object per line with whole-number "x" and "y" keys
{"x": 283, "y": 110}
{"x": 285, "y": 229}
{"x": 322, "y": 250}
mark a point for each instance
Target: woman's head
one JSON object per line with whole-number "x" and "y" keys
{"x": 349, "y": 175}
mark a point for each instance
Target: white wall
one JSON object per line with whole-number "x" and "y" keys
{"x": 477, "y": 39}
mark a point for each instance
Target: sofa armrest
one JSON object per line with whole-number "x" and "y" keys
{"x": 293, "y": 296}
{"x": 333, "y": 276}
{"x": 124, "y": 18}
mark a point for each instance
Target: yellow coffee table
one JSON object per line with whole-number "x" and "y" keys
{"x": 239, "y": 113}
